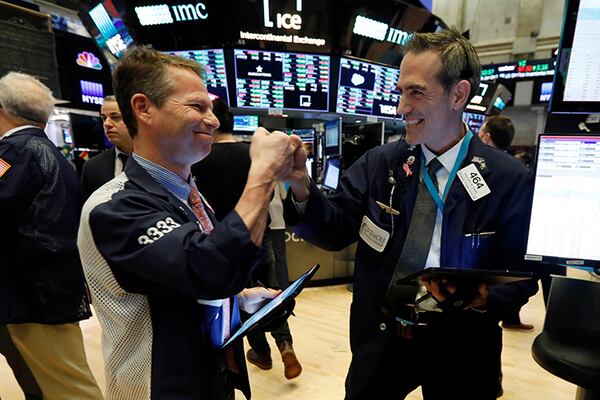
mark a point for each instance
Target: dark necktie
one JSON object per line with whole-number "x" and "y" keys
{"x": 123, "y": 157}
{"x": 418, "y": 241}
{"x": 197, "y": 204}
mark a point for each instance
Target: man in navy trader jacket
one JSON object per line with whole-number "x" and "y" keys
{"x": 42, "y": 289}
{"x": 162, "y": 280}
{"x": 457, "y": 354}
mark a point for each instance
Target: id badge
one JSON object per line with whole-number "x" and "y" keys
{"x": 373, "y": 235}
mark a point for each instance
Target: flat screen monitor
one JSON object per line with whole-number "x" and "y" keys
{"x": 332, "y": 139}
{"x": 88, "y": 132}
{"x": 565, "y": 214}
{"x": 215, "y": 73}
{"x": 367, "y": 89}
{"x": 331, "y": 175}
{"x": 245, "y": 123}
{"x": 577, "y": 77}
{"x": 308, "y": 139}
{"x": 270, "y": 79}
{"x": 473, "y": 121}
{"x": 542, "y": 92}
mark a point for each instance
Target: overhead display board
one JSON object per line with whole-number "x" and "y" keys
{"x": 517, "y": 69}
{"x": 367, "y": 89}
{"x": 267, "y": 79}
{"x": 213, "y": 61}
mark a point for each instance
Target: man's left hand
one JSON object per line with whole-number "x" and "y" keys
{"x": 252, "y": 299}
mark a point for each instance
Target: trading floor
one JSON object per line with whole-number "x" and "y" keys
{"x": 320, "y": 331}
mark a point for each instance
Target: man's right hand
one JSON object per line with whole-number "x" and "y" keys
{"x": 272, "y": 153}
{"x": 298, "y": 177}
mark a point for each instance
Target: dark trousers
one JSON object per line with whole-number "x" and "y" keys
{"x": 457, "y": 357}
{"x": 20, "y": 369}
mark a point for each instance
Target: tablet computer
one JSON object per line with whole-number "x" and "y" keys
{"x": 273, "y": 307}
{"x": 463, "y": 274}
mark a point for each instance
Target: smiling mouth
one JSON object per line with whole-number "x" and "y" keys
{"x": 413, "y": 122}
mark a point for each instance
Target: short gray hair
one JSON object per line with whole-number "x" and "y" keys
{"x": 110, "y": 97}
{"x": 20, "y": 101}
{"x": 459, "y": 58}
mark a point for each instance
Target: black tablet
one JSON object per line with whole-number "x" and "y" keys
{"x": 274, "y": 306}
{"x": 474, "y": 275}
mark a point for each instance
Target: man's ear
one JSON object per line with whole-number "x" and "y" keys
{"x": 142, "y": 108}
{"x": 460, "y": 94}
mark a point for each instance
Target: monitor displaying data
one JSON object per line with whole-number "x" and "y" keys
{"x": 473, "y": 121}
{"x": 577, "y": 78}
{"x": 215, "y": 77}
{"x": 331, "y": 175}
{"x": 245, "y": 123}
{"x": 332, "y": 138}
{"x": 367, "y": 89}
{"x": 269, "y": 79}
{"x": 565, "y": 216}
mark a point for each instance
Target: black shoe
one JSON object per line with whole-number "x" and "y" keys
{"x": 262, "y": 361}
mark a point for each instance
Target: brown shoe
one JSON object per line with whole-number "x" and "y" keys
{"x": 262, "y": 361}
{"x": 520, "y": 326}
{"x": 292, "y": 367}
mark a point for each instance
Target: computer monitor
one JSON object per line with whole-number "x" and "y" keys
{"x": 272, "y": 79}
{"x": 88, "y": 132}
{"x": 565, "y": 217}
{"x": 473, "y": 121}
{"x": 331, "y": 175}
{"x": 577, "y": 81}
{"x": 366, "y": 88}
{"x": 332, "y": 141}
{"x": 245, "y": 123}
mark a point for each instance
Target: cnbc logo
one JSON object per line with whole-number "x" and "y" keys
{"x": 162, "y": 14}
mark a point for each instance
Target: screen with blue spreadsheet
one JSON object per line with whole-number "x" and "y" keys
{"x": 245, "y": 123}
{"x": 331, "y": 175}
{"x": 565, "y": 214}
{"x": 213, "y": 61}
{"x": 367, "y": 89}
{"x": 269, "y": 79}
{"x": 473, "y": 121}
{"x": 333, "y": 137}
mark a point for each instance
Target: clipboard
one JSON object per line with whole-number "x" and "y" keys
{"x": 467, "y": 275}
{"x": 273, "y": 307}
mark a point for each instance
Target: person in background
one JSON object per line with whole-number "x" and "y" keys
{"x": 498, "y": 131}
{"x": 167, "y": 278}
{"x": 399, "y": 201}
{"x": 221, "y": 178}
{"x": 43, "y": 294}
{"x": 110, "y": 163}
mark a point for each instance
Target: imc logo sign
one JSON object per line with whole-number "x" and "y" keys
{"x": 284, "y": 20}
{"x": 162, "y": 14}
{"x": 91, "y": 92}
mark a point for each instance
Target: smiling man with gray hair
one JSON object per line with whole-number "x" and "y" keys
{"x": 42, "y": 288}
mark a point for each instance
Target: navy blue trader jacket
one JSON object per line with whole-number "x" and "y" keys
{"x": 147, "y": 262}
{"x": 334, "y": 223}
{"x": 41, "y": 280}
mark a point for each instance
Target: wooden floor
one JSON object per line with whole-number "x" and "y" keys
{"x": 320, "y": 333}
